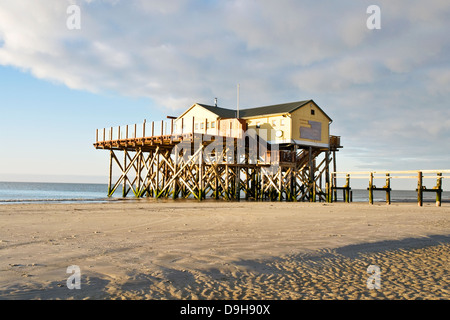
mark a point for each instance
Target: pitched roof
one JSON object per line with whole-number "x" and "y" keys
{"x": 221, "y": 112}
{"x": 259, "y": 111}
{"x": 274, "y": 109}
{"x": 277, "y": 109}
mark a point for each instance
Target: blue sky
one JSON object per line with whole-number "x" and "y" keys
{"x": 50, "y": 128}
{"x": 386, "y": 90}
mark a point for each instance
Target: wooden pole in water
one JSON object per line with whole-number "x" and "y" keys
{"x": 157, "y": 173}
{"x": 237, "y": 183}
{"x": 138, "y": 174}
{"x": 371, "y": 188}
{"x": 110, "y": 172}
{"x": 439, "y": 190}
{"x": 334, "y": 178}
{"x": 175, "y": 165}
{"x": 124, "y": 187}
{"x": 388, "y": 189}
{"x": 200, "y": 175}
{"x": 420, "y": 189}
{"x": 226, "y": 193}
{"x": 347, "y": 188}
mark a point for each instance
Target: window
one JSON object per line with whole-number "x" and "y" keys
{"x": 207, "y": 125}
{"x": 196, "y": 126}
{"x": 274, "y": 123}
{"x": 313, "y": 112}
{"x": 281, "y": 122}
{"x": 202, "y": 125}
{"x": 213, "y": 124}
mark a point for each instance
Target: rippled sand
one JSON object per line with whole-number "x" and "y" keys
{"x": 220, "y": 250}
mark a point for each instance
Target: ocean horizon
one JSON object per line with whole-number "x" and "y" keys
{"x": 11, "y": 192}
{"x": 20, "y": 192}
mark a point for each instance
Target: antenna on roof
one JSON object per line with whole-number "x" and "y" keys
{"x": 215, "y": 102}
{"x": 237, "y": 115}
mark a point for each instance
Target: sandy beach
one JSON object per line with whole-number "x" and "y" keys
{"x": 147, "y": 249}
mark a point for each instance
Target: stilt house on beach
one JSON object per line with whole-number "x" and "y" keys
{"x": 175, "y": 158}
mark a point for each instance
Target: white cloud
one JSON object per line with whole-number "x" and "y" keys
{"x": 178, "y": 49}
{"x": 180, "y": 52}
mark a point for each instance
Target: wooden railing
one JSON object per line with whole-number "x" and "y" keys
{"x": 335, "y": 142}
{"x": 226, "y": 127}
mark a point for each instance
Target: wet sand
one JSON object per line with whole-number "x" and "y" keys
{"x": 221, "y": 250}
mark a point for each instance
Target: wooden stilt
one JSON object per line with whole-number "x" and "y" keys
{"x": 124, "y": 186}
{"x": 200, "y": 176}
{"x": 111, "y": 152}
{"x": 420, "y": 188}
{"x": 439, "y": 189}
{"x": 237, "y": 185}
{"x": 334, "y": 178}
{"x": 388, "y": 188}
{"x": 347, "y": 189}
{"x": 175, "y": 181}
{"x": 138, "y": 175}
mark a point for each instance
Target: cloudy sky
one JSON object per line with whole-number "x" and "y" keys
{"x": 387, "y": 90}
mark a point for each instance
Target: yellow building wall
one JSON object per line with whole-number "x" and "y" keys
{"x": 271, "y": 124}
{"x": 316, "y": 131}
{"x": 292, "y": 123}
{"x": 301, "y": 118}
{"x": 201, "y": 116}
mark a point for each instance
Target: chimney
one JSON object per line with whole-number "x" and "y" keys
{"x": 215, "y": 102}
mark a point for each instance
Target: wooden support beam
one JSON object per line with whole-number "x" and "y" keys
{"x": 347, "y": 189}
{"x": 438, "y": 189}
{"x": 237, "y": 181}
{"x": 124, "y": 186}
{"x": 420, "y": 188}
{"x": 111, "y": 153}
{"x": 334, "y": 178}
{"x": 138, "y": 175}
{"x": 388, "y": 188}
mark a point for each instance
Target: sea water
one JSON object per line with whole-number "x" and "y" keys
{"x": 11, "y": 192}
{"x": 41, "y": 191}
